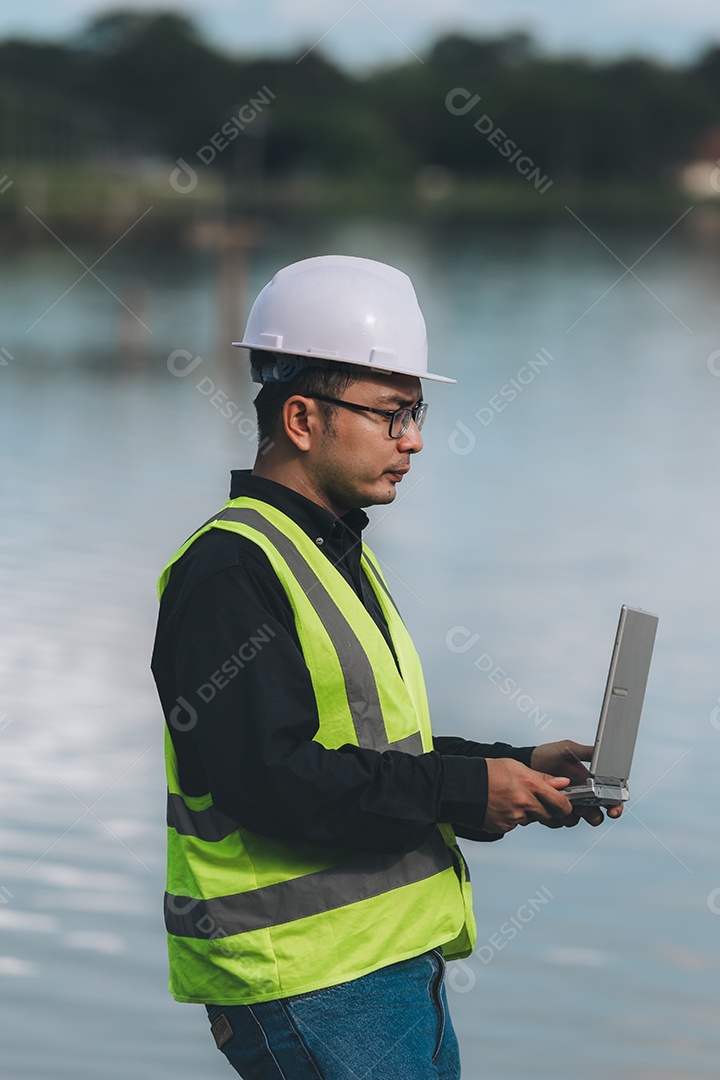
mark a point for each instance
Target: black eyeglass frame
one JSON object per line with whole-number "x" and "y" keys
{"x": 417, "y": 413}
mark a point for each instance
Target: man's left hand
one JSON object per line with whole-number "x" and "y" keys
{"x": 565, "y": 758}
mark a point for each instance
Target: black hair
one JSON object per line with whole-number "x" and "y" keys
{"x": 331, "y": 381}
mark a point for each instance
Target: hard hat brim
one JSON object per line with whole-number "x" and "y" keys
{"x": 342, "y": 360}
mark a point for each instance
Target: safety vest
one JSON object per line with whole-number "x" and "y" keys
{"x": 252, "y": 918}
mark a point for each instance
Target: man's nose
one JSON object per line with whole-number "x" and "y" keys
{"x": 411, "y": 442}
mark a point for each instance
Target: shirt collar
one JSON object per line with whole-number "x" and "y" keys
{"x": 315, "y": 520}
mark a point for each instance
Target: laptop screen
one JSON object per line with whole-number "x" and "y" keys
{"x": 624, "y": 694}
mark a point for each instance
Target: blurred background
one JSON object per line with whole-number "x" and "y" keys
{"x": 550, "y": 179}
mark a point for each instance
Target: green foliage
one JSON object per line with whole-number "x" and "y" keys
{"x": 144, "y": 84}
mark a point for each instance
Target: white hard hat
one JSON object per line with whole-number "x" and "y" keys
{"x": 339, "y": 307}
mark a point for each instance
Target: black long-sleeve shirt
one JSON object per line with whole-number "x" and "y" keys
{"x": 237, "y": 692}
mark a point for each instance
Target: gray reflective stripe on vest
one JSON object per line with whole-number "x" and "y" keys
{"x": 411, "y": 744}
{"x": 381, "y": 583}
{"x": 414, "y": 742}
{"x": 210, "y": 824}
{"x": 360, "y": 685}
{"x": 299, "y": 898}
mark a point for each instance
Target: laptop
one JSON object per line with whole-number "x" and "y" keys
{"x": 620, "y": 714}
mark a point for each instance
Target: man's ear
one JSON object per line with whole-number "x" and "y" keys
{"x": 301, "y": 421}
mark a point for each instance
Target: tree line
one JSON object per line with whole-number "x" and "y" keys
{"x": 137, "y": 86}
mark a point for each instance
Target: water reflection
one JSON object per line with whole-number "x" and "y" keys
{"x": 595, "y": 485}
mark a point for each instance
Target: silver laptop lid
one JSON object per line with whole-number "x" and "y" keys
{"x": 624, "y": 694}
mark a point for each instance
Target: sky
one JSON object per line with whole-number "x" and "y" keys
{"x": 363, "y": 33}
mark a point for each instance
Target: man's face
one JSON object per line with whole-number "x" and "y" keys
{"x": 352, "y": 460}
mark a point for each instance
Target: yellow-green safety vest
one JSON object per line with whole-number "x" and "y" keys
{"x": 251, "y": 918}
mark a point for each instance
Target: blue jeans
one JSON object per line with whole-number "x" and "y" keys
{"x": 392, "y": 1024}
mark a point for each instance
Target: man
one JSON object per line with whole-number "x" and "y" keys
{"x": 315, "y": 887}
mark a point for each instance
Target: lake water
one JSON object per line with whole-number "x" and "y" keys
{"x": 525, "y": 523}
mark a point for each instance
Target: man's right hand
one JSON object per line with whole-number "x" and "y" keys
{"x": 518, "y": 795}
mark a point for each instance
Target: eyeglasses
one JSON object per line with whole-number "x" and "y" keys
{"x": 399, "y": 419}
